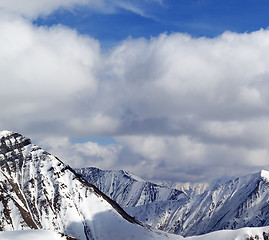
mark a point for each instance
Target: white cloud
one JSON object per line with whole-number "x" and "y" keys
{"x": 251, "y": 96}
{"x": 96, "y": 124}
{"x": 45, "y": 72}
{"x": 222, "y": 80}
{"x": 149, "y": 147}
{"x": 180, "y": 107}
{"x": 224, "y": 129}
{"x": 182, "y": 158}
{"x": 208, "y": 71}
{"x": 86, "y": 154}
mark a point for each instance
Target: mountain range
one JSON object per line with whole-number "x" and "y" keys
{"x": 39, "y": 192}
{"x": 238, "y": 203}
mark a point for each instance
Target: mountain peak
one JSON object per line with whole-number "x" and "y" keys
{"x": 12, "y": 143}
{"x": 265, "y": 175}
{"x": 5, "y": 133}
{"x": 44, "y": 193}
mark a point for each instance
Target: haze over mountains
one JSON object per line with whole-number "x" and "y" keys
{"x": 38, "y": 191}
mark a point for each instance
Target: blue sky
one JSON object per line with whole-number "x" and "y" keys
{"x": 196, "y": 17}
{"x": 168, "y": 89}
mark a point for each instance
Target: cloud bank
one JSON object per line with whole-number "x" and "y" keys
{"x": 180, "y": 108}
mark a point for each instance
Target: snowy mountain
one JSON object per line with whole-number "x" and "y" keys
{"x": 261, "y": 233}
{"x": 235, "y": 204}
{"x": 33, "y": 234}
{"x": 127, "y": 189}
{"x": 38, "y": 191}
{"x": 242, "y": 202}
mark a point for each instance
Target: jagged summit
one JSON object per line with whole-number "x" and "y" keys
{"x": 38, "y": 191}
{"x": 9, "y": 138}
{"x": 5, "y": 133}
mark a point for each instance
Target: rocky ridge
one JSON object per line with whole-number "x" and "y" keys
{"x": 38, "y": 191}
{"x": 127, "y": 189}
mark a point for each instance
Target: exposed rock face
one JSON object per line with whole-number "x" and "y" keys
{"x": 38, "y": 191}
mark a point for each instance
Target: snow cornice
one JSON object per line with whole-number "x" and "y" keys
{"x": 265, "y": 175}
{"x": 5, "y": 133}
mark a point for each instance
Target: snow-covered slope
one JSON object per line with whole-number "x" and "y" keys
{"x": 188, "y": 188}
{"x": 127, "y": 189}
{"x": 241, "y": 234}
{"x": 33, "y": 234}
{"x": 38, "y": 191}
{"x": 236, "y": 204}
{"x": 261, "y": 233}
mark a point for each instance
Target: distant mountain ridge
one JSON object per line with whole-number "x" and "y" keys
{"x": 127, "y": 189}
{"x": 241, "y": 202}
